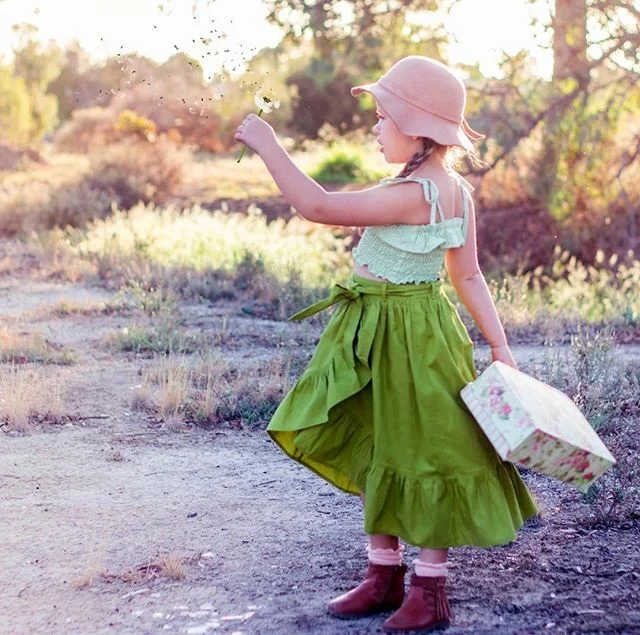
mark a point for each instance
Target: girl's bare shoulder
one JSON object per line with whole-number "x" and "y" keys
{"x": 448, "y": 189}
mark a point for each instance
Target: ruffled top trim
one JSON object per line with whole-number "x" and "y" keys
{"x": 413, "y": 253}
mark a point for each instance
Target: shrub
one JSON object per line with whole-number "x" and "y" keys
{"x": 89, "y": 128}
{"x": 605, "y": 388}
{"x": 183, "y": 108}
{"x": 130, "y": 122}
{"x": 343, "y": 164}
{"x": 73, "y": 205}
{"x": 135, "y": 171}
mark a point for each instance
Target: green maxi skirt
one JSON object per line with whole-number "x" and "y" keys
{"x": 378, "y": 411}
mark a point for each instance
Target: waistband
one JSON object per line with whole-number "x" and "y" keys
{"x": 379, "y": 287}
{"x": 356, "y": 286}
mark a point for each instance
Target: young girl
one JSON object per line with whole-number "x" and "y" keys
{"x": 377, "y": 412}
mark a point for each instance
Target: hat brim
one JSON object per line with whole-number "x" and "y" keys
{"x": 413, "y": 121}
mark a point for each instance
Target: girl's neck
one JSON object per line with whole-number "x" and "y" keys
{"x": 435, "y": 164}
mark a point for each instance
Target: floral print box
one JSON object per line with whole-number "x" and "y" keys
{"x": 534, "y": 425}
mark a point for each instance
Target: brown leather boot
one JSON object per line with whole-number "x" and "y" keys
{"x": 381, "y": 590}
{"x": 425, "y": 607}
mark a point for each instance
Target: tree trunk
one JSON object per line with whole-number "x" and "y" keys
{"x": 570, "y": 40}
{"x": 569, "y": 63}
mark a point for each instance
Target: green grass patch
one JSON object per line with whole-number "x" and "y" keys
{"x": 164, "y": 337}
{"x": 344, "y": 163}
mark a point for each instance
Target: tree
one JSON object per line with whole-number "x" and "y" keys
{"x": 77, "y": 85}
{"x": 38, "y": 67}
{"x": 576, "y": 126}
{"x": 570, "y": 40}
{"x": 15, "y": 109}
{"x": 345, "y": 44}
{"x": 575, "y": 116}
{"x": 357, "y": 33}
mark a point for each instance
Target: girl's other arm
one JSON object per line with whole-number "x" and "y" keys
{"x": 471, "y": 287}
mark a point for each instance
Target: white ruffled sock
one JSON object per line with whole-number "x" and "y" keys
{"x": 386, "y": 556}
{"x": 430, "y": 569}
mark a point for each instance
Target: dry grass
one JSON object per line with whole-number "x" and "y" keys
{"x": 93, "y": 569}
{"x": 210, "y": 390}
{"x": 168, "y": 565}
{"x": 27, "y": 394}
{"x": 45, "y": 257}
{"x": 115, "y": 456}
{"x": 66, "y": 307}
{"x": 142, "y": 398}
{"x": 23, "y": 348}
{"x": 172, "y": 379}
{"x": 174, "y": 422}
{"x": 172, "y": 566}
{"x": 605, "y": 387}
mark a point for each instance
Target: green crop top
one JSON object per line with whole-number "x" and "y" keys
{"x": 414, "y": 253}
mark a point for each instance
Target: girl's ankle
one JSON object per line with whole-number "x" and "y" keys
{"x": 388, "y": 557}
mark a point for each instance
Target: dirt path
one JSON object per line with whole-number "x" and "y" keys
{"x": 263, "y": 542}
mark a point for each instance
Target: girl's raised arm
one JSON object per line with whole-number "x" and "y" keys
{"x": 378, "y": 205}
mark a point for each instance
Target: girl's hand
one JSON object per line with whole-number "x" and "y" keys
{"x": 503, "y": 354}
{"x": 256, "y": 133}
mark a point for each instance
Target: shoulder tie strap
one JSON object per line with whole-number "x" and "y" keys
{"x": 431, "y": 193}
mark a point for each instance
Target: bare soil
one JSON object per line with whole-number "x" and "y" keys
{"x": 88, "y": 511}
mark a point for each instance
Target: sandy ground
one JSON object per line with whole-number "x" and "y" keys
{"x": 88, "y": 510}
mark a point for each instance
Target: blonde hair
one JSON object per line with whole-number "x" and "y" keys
{"x": 453, "y": 156}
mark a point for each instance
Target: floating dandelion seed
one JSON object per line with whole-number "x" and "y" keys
{"x": 264, "y": 103}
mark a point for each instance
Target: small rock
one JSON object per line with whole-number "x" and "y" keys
{"x": 203, "y": 628}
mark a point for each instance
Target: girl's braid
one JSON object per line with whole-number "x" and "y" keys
{"x": 428, "y": 146}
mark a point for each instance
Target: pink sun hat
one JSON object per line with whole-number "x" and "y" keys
{"x": 424, "y": 98}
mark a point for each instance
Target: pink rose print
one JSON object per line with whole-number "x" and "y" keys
{"x": 580, "y": 464}
{"x": 506, "y": 409}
